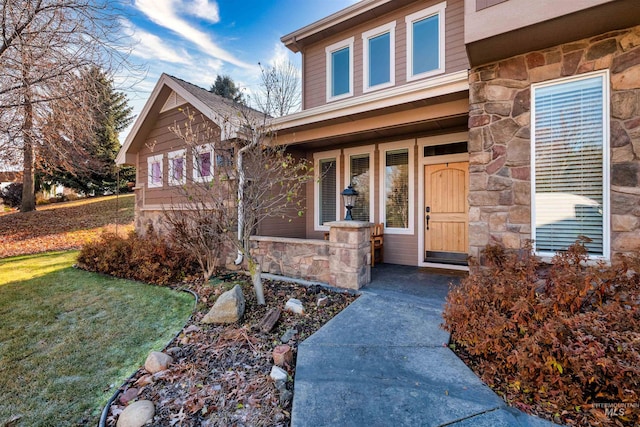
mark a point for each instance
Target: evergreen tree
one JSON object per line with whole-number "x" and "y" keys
{"x": 226, "y": 88}
{"x": 94, "y": 170}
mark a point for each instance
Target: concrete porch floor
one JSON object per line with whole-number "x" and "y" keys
{"x": 428, "y": 283}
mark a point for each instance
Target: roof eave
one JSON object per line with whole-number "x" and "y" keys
{"x": 294, "y": 40}
{"x": 126, "y": 157}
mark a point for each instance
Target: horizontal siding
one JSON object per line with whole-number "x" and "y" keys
{"x": 400, "y": 249}
{"x": 161, "y": 140}
{"x": 292, "y": 225}
{"x": 456, "y": 54}
{"x": 314, "y": 79}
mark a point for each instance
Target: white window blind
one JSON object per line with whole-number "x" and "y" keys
{"x": 569, "y": 144}
{"x": 397, "y": 188}
{"x": 327, "y": 193}
{"x": 360, "y": 170}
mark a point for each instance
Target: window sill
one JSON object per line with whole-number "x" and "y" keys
{"x": 425, "y": 75}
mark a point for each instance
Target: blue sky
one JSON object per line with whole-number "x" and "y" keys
{"x": 198, "y": 39}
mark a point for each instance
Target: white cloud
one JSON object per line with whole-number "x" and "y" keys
{"x": 279, "y": 55}
{"x": 150, "y": 46}
{"x": 203, "y": 9}
{"x": 164, "y": 13}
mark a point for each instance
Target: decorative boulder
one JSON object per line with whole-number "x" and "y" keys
{"x": 229, "y": 307}
{"x": 157, "y": 361}
{"x": 137, "y": 414}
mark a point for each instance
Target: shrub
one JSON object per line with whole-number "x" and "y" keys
{"x": 12, "y": 195}
{"x": 557, "y": 340}
{"x": 147, "y": 258}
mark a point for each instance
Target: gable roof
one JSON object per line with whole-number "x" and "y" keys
{"x": 222, "y": 111}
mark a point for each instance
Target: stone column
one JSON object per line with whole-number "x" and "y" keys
{"x": 350, "y": 253}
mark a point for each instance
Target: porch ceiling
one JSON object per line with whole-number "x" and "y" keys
{"x": 418, "y": 118}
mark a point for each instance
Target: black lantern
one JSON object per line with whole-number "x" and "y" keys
{"x": 349, "y": 196}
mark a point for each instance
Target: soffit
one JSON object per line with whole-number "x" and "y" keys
{"x": 419, "y": 118}
{"x": 583, "y": 24}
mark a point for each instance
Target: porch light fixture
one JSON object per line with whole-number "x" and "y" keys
{"x": 349, "y": 196}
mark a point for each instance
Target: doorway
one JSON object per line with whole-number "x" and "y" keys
{"x": 446, "y": 220}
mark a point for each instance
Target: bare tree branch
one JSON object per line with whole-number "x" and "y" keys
{"x": 280, "y": 89}
{"x": 46, "y": 48}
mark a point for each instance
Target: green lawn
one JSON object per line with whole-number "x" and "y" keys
{"x": 68, "y": 338}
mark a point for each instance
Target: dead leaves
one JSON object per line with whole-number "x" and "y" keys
{"x": 63, "y": 226}
{"x": 221, "y": 373}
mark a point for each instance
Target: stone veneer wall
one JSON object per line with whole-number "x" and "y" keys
{"x": 343, "y": 261}
{"x": 297, "y": 258}
{"x": 499, "y": 137}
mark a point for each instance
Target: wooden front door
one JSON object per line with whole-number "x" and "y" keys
{"x": 446, "y": 219}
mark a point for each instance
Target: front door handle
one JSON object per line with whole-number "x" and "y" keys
{"x": 427, "y": 218}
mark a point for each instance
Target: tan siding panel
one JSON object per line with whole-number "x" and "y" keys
{"x": 456, "y": 56}
{"x": 161, "y": 140}
{"x": 292, "y": 225}
{"x": 400, "y": 249}
{"x": 314, "y": 56}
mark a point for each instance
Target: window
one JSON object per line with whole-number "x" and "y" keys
{"x": 327, "y": 189}
{"x": 177, "y": 167}
{"x": 203, "y": 163}
{"x": 425, "y": 42}
{"x": 570, "y": 164}
{"x": 154, "y": 171}
{"x": 397, "y": 187}
{"x": 339, "y": 57}
{"x": 379, "y": 57}
{"x": 360, "y": 175}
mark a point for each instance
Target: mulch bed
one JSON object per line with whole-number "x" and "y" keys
{"x": 220, "y": 374}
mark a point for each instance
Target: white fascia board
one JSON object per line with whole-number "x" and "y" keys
{"x": 122, "y": 154}
{"x": 166, "y": 80}
{"x": 423, "y": 89}
{"x": 331, "y": 20}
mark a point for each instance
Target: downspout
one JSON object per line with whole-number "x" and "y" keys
{"x": 240, "y": 170}
{"x": 241, "y": 179}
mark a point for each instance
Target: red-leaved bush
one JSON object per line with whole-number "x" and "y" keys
{"x": 149, "y": 258}
{"x": 559, "y": 340}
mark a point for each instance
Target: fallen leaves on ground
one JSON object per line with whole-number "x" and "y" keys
{"x": 220, "y": 375}
{"x": 62, "y": 226}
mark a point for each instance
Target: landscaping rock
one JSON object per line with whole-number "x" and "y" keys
{"x": 128, "y": 395}
{"x": 137, "y": 414}
{"x": 157, "y": 361}
{"x": 288, "y": 335}
{"x": 229, "y": 307}
{"x": 322, "y": 301}
{"x": 294, "y": 306}
{"x": 278, "y": 374}
{"x": 282, "y": 355}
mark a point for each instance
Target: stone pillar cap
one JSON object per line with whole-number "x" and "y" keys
{"x": 349, "y": 224}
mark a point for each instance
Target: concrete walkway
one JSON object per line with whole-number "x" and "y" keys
{"x": 384, "y": 361}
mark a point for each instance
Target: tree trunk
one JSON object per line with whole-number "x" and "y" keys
{"x": 28, "y": 177}
{"x": 256, "y": 277}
